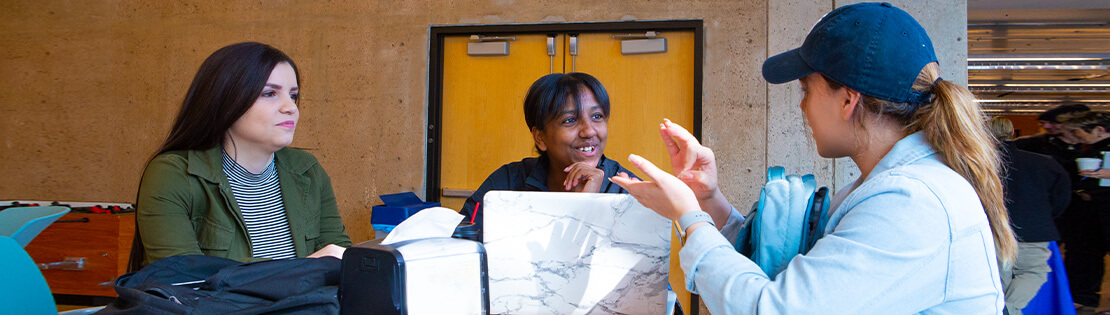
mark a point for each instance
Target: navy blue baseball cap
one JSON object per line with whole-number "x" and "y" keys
{"x": 873, "y": 48}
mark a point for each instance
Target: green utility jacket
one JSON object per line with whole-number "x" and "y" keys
{"x": 186, "y": 207}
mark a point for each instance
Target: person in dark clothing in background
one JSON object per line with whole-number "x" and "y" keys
{"x": 1085, "y": 226}
{"x": 1037, "y": 190}
{"x": 1054, "y": 142}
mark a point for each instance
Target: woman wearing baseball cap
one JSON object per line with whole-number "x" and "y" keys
{"x": 922, "y": 229}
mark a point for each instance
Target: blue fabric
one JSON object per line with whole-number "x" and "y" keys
{"x": 910, "y": 238}
{"x": 1054, "y": 298}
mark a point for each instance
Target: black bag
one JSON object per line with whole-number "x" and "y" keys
{"x": 197, "y": 284}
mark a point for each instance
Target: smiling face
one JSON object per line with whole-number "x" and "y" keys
{"x": 574, "y": 136}
{"x": 825, "y": 115}
{"x": 271, "y": 121}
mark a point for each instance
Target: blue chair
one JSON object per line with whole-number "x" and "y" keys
{"x": 22, "y": 224}
{"x": 24, "y": 290}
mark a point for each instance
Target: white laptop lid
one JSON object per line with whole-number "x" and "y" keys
{"x": 574, "y": 253}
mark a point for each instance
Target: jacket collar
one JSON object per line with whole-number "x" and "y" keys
{"x": 208, "y": 164}
{"x": 908, "y": 150}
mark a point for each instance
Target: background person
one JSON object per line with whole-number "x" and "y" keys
{"x": 1037, "y": 190}
{"x": 1085, "y": 226}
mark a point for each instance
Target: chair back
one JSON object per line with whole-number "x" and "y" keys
{"x": 24, "y": 290}
{"x": 22, "y": 224}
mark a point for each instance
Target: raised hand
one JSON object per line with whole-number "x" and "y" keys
{"x": 665, "y": 194}
{"x": 695, "y": 165}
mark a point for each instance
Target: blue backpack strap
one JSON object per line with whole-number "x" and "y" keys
{"x": 818, "y": 217}
{"x": 776, "y": 173}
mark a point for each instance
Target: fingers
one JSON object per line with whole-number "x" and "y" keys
{"x": 649, "y": 169}
{"x": 624, "y": 180}
{"x": 672, "y": 147}
{"x": 683, "y": 137}
{"x": 581, "y": 173}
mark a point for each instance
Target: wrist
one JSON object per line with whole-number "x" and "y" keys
{"x": 692, "y": 228}
{"x": 691, "y": 221}
{"x": 716, "y": 205}
{"x": 693, "y": 217}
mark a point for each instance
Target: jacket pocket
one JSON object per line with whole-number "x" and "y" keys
{"x": 214, "y": 237}
{"x": 311, "y": 238}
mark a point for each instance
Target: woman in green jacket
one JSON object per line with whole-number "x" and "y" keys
{"x": 225, "y": 183}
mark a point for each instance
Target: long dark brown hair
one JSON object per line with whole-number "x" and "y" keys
{"x": 226, "y": 85}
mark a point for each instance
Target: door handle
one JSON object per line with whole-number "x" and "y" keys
{"x": 457, "y": 193}
{"x": 572, "y": 50}
{"x": 69, "y": 263}
{"x": 551, "y": 51}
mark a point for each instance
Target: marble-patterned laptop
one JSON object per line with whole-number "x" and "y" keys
{"x": 574, "y": 253}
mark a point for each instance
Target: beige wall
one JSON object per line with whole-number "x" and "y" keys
{"x": 90, "y": 88}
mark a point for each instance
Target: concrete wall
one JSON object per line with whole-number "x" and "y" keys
{"x": 91, "y": 88}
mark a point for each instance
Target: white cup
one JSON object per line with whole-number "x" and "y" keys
{"x": 1088, "y": 163}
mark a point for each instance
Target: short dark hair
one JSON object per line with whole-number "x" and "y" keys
{"x": 1052, "y": 115}
{"x": 1087, "y": 120}
{"x": 549, "y": 94}
{"x": 224, "y": 88}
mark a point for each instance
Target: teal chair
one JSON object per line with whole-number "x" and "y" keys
{"x": 24, "y": 290}
{"x": 22, "y": 224}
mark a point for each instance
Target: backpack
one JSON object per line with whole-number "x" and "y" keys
{"x": 197, "y": 284}
{"x": 788, "y": 219}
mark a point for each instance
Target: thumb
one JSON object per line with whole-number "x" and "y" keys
{"x": 647, "y": 167}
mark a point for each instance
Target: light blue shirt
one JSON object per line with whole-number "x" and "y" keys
{"x": 911, "y": 238}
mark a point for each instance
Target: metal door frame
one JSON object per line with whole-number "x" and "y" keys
{"x": 435, "y": 75}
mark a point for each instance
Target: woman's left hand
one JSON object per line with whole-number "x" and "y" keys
{"x": 582, "y": 177}
{"x": 1096, "y": 173}
{"x": 665, "y": 194}
{"x": 330, "y": 250}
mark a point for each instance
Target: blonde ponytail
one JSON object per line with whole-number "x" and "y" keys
{"x": 953, "y": 125}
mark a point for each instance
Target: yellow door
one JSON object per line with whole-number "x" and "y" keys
{"x": 643, "y": 89}
{"x": 483, "y": 110}
{"x": 483, "y": 97}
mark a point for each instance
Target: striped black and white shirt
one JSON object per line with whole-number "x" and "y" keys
{"x": 259, "y": 198}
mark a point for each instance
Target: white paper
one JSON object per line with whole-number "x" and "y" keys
{"x": 431, "y": 222}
